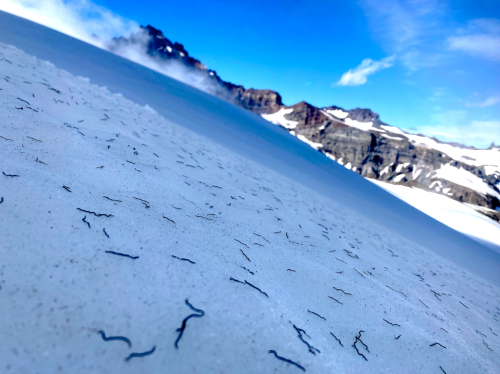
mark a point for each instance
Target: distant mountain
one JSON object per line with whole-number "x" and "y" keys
{"x": 355, "y": 138}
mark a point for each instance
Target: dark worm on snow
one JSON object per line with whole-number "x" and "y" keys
{"x": 143, "y": 354}
{"x": 83, "y": 219}
{"x": 105, "y": 233}
{"x": 182, "y": 328}
{"x": 10, "y": 175}
{"x": 123, "y": 255}
{"x": 94, "y": 213}
{"x": 110, "y": 338}
{"x": 184, "y": 259}
{"x": 286, "y": 360}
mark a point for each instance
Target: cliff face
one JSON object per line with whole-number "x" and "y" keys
{"x": 355, "y": 138}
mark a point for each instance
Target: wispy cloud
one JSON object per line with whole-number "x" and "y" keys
{"x": 358, "y": 75}
{"x": 80, "y": 19}
{"x": 408, "y": 28}
{"x": 481, "y": 38}
{"x": 490, "y": 101}
{"x": 454, "y": 126}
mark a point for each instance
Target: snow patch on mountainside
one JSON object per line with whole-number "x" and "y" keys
{"x": 278, "y": 118}
{"x": 458, "y": 216}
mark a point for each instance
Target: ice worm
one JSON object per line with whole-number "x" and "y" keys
{"x": 95, "y": 214}
{"x": 464, "y": 305}
{"x": 394, "y": 324}
{"x": 277, "y": 232}
{"x": 175, "y": 207}
{"x": 21, "y": 108}
{"x": 184, "y": 259}
{"x": 329, "y": 251}
{"x": 250, "y": 284}
{"x": 156, "y": 155}
{"x": 23, "y": 101}
{"x": 245, "y": 255}
{"x": 437, "y": 344}
{"x": 423, "y": 303}
{"x": 123, "y": 255}
{"x": 251, "y": 272}
{"x": 81, "y": 133}
{"x": 67, "y": 188}
{"x": 32, "y": 109}
{"x": 110, "y": 338}
{"x": 358, "y": 338}
{"x": 105, "y": 233}
{"x": 341, "y": 260}
{"x": 398, "y": 337}
{"x": 207, "y": 218}
{"x": 337, "y": 339}
{"x": 339, "y": 289}
{"x": 359, "y": 272}
{"x": 6, "y": 138}
{"x": 100, "y": 167}
{"x": 83, "y": 219}
{"x": 442, "y": 370}
{"x": 396, "y": 291}
{"x": 444, "y": 330}
{"x": 242, "y": 243}
{"x": 339, "y": 272}
{"x": 181, "y": 329}
{"x": 335, "y": 300}
{"x": 291, "y": 270}
{"x": 112, "y": 199}
{"x": 310, "y": 347}
{"x": 130, "y": 162}
{"x": 316, "y": 314}
{"x": 104, "y": 119}
{"x": 286, "y": 360}
{"x": 143, "y": 354}
{"x": 10, "y": 175}
{"x": 258, "y": 244}
{"x": 326, "y": 236}
{"x": 1, "y": 200}
{"x": 34, "y": 139}
{"x": 216, "y": 186}
{"x": 169, "y": 219}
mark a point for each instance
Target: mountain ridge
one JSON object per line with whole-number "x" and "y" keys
{"x": 355, "y": 138}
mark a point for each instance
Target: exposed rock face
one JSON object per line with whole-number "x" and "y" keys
{"x": 355, "y": 138}
{"x": 152, "y": 42}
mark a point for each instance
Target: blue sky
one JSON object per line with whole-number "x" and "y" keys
{"x": 424, "y": 65}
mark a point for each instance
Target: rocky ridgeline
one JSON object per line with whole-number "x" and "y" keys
{"x": 370, "y": 151}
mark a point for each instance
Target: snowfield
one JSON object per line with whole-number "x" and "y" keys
{"x": 123, "y": 218}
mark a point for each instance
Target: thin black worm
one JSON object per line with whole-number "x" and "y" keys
{"x": 245, "y": 255}
{"x": 394, "y": 324}
{"x": 171, "y": 220}
{"x": 95, "y": 214}
{"x": 437, "y": 344}
{"x": 286, "y": 360}
{"x": 250, "y": 284}
{"x": 311, "y": 348}
{"x": 339, "y": 289}
{"x": 123, "y": 254}
{"x": 442, "y": 370}
{"x": 398, "y": 337}
{"x": 358, "y": 338}
{"x": 67, "y": 188}
{"x": 335, "y": 300}
{"x": 10, "y": 175}
{"x": 105, "y": 233}
{"x": 251, "y": 272}
{"x": 184, "y": 259}
{"x": 1, "y": 200}
{"x": 156, "y": 155}
{"x": 83, "y": 219}
{"x": 316, "y": 314}
{"x": 112, "y": 199}
{"x": 337, "y": 339}
{"x": 132, "y": 355}
{"x": 122, "y": 338}
{"x": 181, "y": 329}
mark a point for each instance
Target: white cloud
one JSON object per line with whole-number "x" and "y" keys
{"x": 490, "y": 101}
{"x": 80, "y": 19}
{"x": 481, "y": 38}
{"x": 358, "y": 75}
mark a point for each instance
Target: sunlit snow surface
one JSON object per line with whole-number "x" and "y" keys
{"x": 172, "y": 192}
{"x": 461, "y": 217}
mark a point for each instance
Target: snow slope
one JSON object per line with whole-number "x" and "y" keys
{"x": 461, "y": 217}
{"x": 248, "y": 212}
